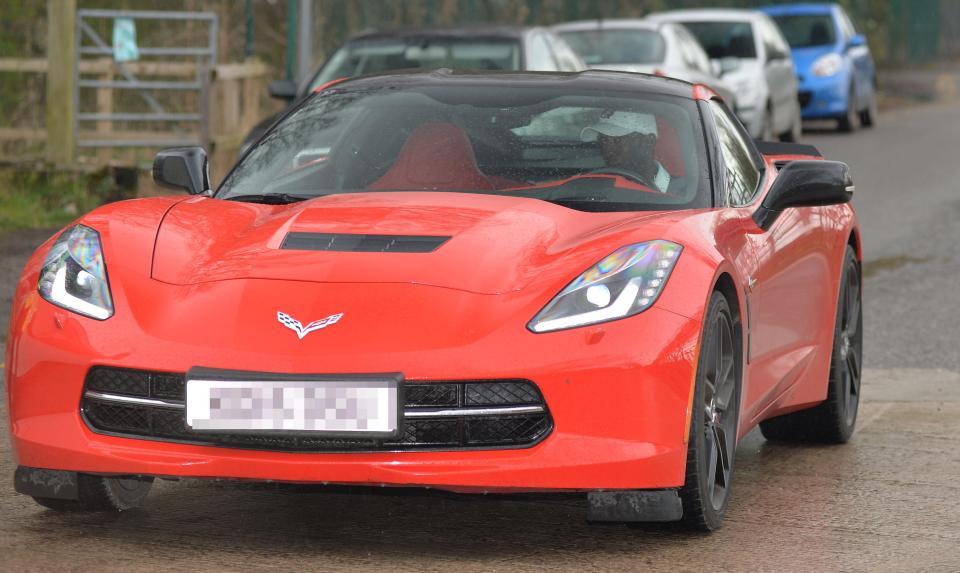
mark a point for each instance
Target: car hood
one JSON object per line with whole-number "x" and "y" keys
{"x": 496, "y": 243}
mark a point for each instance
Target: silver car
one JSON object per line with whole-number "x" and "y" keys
{"x": 749, "y": 51}
{"x": 633, "y": 45}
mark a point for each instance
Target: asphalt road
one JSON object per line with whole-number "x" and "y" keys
{"x": 887, "y": 501}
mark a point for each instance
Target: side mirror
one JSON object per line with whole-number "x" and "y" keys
{"x": 805, "y": 183}
{"x": 283, "y": 89}
{"x": 182, "y": 168}
{"x": 728, "y": 65}
{"x": 857, "y": 41}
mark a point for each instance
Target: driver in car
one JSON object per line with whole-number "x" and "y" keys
{"x": 627, "y": 140}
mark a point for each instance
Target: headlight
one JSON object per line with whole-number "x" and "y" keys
{"x": 828, "y": 65}
{"x": 74, "y": 275}
{"x": 622, "y": 284}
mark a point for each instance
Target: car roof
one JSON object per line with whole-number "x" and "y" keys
{"x": 491, "y": 31}
{"x": 808, "y": 8}
{"x": 611, "y": 24}
{"x": 601, "y": 80}
{"x": 706, "y": 15}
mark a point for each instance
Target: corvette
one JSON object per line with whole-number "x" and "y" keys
{"x": 477, "y": 282}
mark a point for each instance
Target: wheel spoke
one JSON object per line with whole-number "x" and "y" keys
{"x": 853, "y": 368}
{"x": 726, "y": 380}
{"x": 852, "y": 322}
{"x": 710, "y": 444}
{"x": 724, "y": 467}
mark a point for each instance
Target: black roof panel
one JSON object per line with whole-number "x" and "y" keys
{"x": 589, "y": 79}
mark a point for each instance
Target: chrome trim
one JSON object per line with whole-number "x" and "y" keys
{"x": 407, "y": 413}
{"x": 450, "y": 412}
{"x": 133, "y": 400}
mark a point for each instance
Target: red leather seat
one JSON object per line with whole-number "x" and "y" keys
{"x": 435, "y": 156}
{"x": 667, "y": 150}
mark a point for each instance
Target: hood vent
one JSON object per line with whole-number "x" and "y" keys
{"x": 362, "y": 243}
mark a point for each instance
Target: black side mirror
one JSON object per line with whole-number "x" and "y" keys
{"x": 283, "y": 89}
{"x": 182, "y": 168}
{"x": 857, "y": 41}
{"x": 805, "y": 183}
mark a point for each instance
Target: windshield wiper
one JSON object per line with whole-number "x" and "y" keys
{"x": 271, "y": 198}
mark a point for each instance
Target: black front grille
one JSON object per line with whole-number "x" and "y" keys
{"x": 105, "y": 411}
{"x": 805, "y": 98}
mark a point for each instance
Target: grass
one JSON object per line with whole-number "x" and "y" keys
{"x": 31, "y": 199}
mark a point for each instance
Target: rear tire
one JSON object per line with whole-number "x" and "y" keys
{"x": 713, "y": 422}
{"x": 833, "y": 420}
{"x": 99, "y": 493}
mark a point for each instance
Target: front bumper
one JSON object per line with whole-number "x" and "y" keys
{"x": 824, "y": 98}
{"x": 618, "y": 393}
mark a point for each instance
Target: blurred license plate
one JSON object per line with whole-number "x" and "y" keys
{"x": 363, "y": 407}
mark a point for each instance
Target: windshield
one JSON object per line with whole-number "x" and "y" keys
{"x": 373, "y": 56}
{"x": 635, "y": 46}
{"x": 596, "y": 150}
{"x": 806, "y": 30}
{"x": 725, "y": 39}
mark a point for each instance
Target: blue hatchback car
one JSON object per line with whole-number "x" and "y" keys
{"x": 838, "y": 78}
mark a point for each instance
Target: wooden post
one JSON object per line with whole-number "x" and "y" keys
{"x": 105, "y": 106}
{"x": 61, "y": 44}
{"x": 252, "y": 87}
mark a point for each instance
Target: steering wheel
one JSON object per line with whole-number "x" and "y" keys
{"x": 626, "y": 174}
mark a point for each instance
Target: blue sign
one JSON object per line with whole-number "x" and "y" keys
{"x": 125, "y": 40}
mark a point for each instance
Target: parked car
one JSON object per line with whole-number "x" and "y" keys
{"x": 838, "y": 78}
{"x": 484, "y": 48}
{"x": 752, "y": 55}
{"x": 659, "y": 48}
{"x": 492, "y": 282}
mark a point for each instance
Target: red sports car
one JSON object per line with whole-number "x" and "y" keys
{"x": 477, "y": 282}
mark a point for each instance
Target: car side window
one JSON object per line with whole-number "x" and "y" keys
{"x": 693, "y": 53}
{"x": 567, "y": 60}
{"x": 741, "y": 175}
{"x": 539, "y": 55}
{"x": 849, "y": 30}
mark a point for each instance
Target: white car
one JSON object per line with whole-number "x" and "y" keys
{"x": 633, "y": 45}
{"x": 749, "y": 51}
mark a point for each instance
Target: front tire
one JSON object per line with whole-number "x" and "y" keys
{"x": 833, "y": 420}
{"x": 848, "y": 120}
{"x": 868, "y": 117}
{"x": 101, "y": 493}
{"x": 714, "y": 421}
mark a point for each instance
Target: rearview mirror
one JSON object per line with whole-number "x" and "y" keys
{"x": 805, "y": 183}
{"x": 182, "y": 168}
{"x": 283, "y": 89}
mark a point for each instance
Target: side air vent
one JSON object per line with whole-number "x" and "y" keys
{"x": 362, "y": 243}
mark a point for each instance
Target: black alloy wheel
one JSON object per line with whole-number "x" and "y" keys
{"x": 851, "y": 343}
{"x": 713, "y": 425}
{"x": 833, "y": 420}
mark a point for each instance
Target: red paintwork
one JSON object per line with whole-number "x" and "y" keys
{"x": 336, "y": 81}
{"x": 198, "y": 282}
{"x": 705, "y": 93}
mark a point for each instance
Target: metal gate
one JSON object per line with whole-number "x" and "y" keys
{"x": 194, "y": 62}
